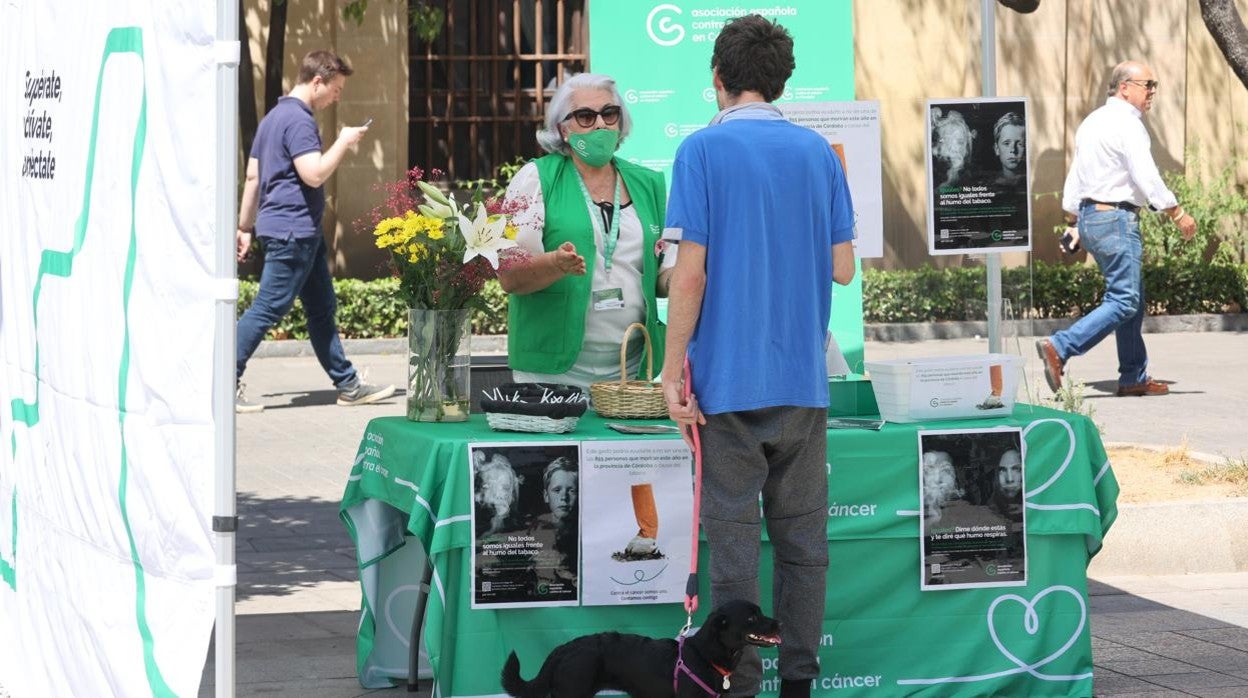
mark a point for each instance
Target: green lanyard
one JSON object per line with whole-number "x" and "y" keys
{"x": 611, "y": 237}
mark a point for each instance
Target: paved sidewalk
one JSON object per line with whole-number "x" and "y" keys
{"x": 297, "y": 598}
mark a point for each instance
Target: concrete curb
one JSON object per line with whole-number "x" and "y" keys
{"x": 496, "y": 345}
{"x": 919, "y": 331}
{"x": 1195, "y": 537}
{"x": 1206, "y": 458}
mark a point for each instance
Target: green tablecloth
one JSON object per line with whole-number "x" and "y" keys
{"x": 882, "y": 635}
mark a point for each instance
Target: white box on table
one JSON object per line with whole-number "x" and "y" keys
{"x": 945, "y": 387}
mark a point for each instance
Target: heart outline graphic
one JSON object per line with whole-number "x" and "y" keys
{"x": 1031, "y": 624}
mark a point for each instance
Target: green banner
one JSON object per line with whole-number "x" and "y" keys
{"x": 660, "y": 56}
{"x": 411, "y": 483}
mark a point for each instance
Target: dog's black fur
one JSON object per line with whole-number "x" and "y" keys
{"x": 642, "y": 666}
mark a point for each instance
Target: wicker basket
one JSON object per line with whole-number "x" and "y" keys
{"x": 630, "y": 399}
{"x": 502, "y": 421}
{"x": 535, "y": 407}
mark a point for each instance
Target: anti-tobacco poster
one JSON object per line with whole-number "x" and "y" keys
{"x": 978, "y": 174}
{"x": 973, "y": 524}
{"x": 526, "y": 524}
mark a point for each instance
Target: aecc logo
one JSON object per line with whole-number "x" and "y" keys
{"x": 662, "y": 27}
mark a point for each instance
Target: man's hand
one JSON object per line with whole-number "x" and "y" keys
{"x": 1187, "y": 226}
{"x": 683, "y": 410}
{"x": 351, "y": 136}
{"x": 568, "y": 261}
{"x": 242, "y": 245}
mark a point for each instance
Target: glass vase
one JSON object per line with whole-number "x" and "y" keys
{"x": 439, "y": 363}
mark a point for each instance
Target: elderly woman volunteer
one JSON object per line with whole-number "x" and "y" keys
{"x": 592, "y": 224}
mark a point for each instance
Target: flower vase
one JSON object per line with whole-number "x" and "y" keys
{"x": 439, "y": 363}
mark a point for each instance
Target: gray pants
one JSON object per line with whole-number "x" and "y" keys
{"x": 780, "y": 452}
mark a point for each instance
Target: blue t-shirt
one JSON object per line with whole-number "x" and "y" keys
{"x": 289, "y": 208}
{"x": 767, "y": 199}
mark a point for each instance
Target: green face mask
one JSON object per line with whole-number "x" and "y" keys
{"x": 596, "y": 147}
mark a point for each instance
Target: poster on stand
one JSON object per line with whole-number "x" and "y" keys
{"x": 852, "y": 130}
{"x": 525, "y": 524}
{"x": 637, "y": 549}
{"x": 972, "y": 522}
{"x": 978, "y": 197}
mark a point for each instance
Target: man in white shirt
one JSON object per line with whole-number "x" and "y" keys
{"x": 1112, "y": 176}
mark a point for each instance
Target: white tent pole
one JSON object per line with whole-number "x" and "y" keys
{"x": 988, "y": 42}
{"x": 225, "y": 515}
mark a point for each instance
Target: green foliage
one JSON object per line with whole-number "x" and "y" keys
{"x": 1045, "y": 290}
{"x": 1232, "y": 471}
{"x": 374, "y": 308}
{"x": 491, "y": 317}
{"x": 1220, "y": 208}
{"x": 492, "y": 187}
{"x": 425, "y": 20}
{"x": 1072, "y": 397}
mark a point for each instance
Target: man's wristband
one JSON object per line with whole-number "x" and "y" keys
{"x": 1178, "y": 214}
{"x": 249, "y": 231}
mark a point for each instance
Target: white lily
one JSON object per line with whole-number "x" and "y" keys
{"x": 437, "y": 204}
{"x": 484, "y": 237}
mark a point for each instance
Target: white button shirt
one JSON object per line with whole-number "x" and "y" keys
{"x": 1114, "y": 161}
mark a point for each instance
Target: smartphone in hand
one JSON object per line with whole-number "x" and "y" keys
{"x": 1068, "y": 243}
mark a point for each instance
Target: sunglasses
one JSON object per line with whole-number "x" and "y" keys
{"x": 586, "y": 117}
{"x": 1146, "y": 84}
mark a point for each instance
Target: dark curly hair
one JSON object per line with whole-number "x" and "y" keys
{"x": 753, "y": 54}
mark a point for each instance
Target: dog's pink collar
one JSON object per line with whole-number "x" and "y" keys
{"x": 682, "y": 667}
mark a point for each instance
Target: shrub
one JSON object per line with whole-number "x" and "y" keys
{"x": 1044, "y": 290}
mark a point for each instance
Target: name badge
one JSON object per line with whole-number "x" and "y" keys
{"x": 608, "y": 299}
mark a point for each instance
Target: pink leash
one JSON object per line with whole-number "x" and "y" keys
{"x": 691, "y": 586}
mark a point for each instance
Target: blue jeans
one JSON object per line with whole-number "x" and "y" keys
{"x": 296, "y": 267}
{"x": 1113, "y": 240}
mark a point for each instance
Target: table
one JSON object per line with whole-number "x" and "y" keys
{"x": 408, "y": 494}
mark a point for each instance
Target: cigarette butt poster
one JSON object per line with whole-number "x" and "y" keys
{"x": 637, "y": 543}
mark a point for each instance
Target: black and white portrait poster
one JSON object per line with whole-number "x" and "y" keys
{"x": 526, "y": 524}
{"x": 973, "y": 523}
{"x": 978, "y": 197}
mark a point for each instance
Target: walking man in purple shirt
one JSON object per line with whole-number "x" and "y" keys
{"x": 283, "y": 202}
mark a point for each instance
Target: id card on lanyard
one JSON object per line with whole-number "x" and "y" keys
{"x": 606, "y": 298}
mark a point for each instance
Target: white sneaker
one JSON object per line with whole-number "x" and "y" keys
{"x": 641, "y": 546}
{"x": 244, "y": 406}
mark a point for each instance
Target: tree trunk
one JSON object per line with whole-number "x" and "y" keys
{"x": 1227, "y": 28}
{"x": 247, "y": 119}
{"x": 274, "y": 54}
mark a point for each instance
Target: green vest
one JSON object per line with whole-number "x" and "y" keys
{"x": 545, "y": 329}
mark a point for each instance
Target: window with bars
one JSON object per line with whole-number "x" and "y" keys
{"x": 478, "y": 91}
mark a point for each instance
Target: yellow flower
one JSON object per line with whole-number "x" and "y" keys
{"x": 415, "y": 251}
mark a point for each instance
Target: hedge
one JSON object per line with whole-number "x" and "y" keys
{"x": 1045, "y": 290}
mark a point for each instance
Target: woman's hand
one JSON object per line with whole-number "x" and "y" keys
{"x": 568, "y": 261}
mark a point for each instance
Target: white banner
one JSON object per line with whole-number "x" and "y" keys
{"x": 107, "y": 183}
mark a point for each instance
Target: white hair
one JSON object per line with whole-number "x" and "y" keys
{"x": 550, "y": 138}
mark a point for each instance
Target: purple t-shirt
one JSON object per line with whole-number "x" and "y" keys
{"x": 289, "y": 208}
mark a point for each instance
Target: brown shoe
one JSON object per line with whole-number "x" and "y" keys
{"x": 1053, "y": 363}
{"x": 1148, "y": 387}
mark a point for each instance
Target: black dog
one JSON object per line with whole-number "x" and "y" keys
{"x": 641, "y": 666}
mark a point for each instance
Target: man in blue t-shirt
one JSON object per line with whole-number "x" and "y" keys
{"x": 765, "y": 225}
{"x": 283, "y": 201}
